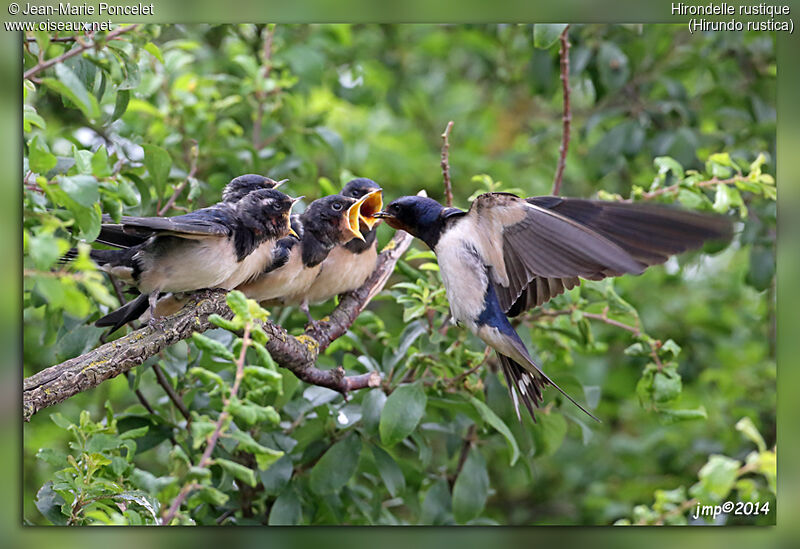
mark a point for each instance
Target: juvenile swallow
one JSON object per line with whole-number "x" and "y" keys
{"x": 114, "y": 234}
{"x": 216, "y": 247}
{"x": 326, "y": 223}
{"x": 508, "y": 254}
{"x": 349, "y": 265}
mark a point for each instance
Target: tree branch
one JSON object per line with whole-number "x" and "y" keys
{"x": 42, "y": 65}
{"x": 297, "y": 354}
{"x": 566, "y": 117}
{"x": 448, "y": 188}
{"x": 261, "y": 94}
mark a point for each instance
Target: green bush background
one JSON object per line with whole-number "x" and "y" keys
{"x": 372, "y": 101}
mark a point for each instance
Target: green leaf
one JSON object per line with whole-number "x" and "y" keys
{"x": 612, "y": 65}
{"x": 158, "y": 163}
{"x": 212, "y": 346}
{"x": 206, "y": 376}
{"x": 668, "y": 164}
{"x": 265, "y": 457}
{"x": 492, "y": 419}
{"x": 31, "y": 118}
{"x": 390, "y": 472}
{"x": 545, "y": 35}
{"x": 673, "y": 416}
{"x": 49, "y": 503}
{"x": 154, "y": 51}
{"x": 437, "y": 505}
{"x": 83, "y": 189}
{"x": 402, "y": 412}
{"x": 762, "y": 267}
{"x": 275, "y": 478}
{"x": 717, "y": 477}
{"x": 548, "y": 433}
{"x": 286, "y": 511}
{"x": 70, "y": 86}
{"x": 471, "y": 488}
{"x": 40, "y": 160}
{"x": 336, "y": 466}
{"x": 725, "y": 198}
{"x": 238, "y": 304}
{"x": 371, "y": 409}
{"x": 666, "y": 386}
{"x": 100, "y": 167}
{"x": 237, "y": 470}
{"x": 83, "y": 161}
{"x": 748, "y": 429}
{"x": 120, "y": 104}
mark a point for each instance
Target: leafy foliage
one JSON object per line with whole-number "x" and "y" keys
{"x": 670, "y": 361}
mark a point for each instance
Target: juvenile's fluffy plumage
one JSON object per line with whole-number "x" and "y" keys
{"x": 349, "y": 265}
{"x": 217, "y": 247}
{"x": 297, "y": 261}
{"x": 508, "y": 254}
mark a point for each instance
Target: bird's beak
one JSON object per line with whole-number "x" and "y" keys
{"x": 372, "y": 204}
{"x": 352, "y": 214}
{"x": 281, "y": 182}
{"x": 382, "y": 215}
{"x": 289, "y": 213}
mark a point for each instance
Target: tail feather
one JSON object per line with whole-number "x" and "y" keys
{"x": 127, "y": 313}
{"x": 528, "y": 383}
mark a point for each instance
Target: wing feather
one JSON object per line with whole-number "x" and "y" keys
{"x": 547, "y": 243}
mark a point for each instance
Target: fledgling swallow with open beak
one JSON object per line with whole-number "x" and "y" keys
{"x": 508, "y": 254}
{"x": 349, "y": 265}
{"x": 216, "y": 247}
{"x": 326, "y": 223}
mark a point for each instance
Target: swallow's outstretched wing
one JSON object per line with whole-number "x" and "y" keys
{"x": 539, "y": 247}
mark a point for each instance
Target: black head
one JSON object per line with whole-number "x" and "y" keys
{"x": 266, "y": 213}
{"x": 241, "y": 186}
{"x": 356, "y": 188}
{"x": 418, "y": 215}
{"x": 332, "y": 219}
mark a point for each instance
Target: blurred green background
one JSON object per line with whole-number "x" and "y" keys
{"x": 506, "y": 105}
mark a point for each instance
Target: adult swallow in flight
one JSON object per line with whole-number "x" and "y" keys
{"x": 349, "y": 265}
{"x": 326, "y": 223}
{"x": 220, "y": 246}
{"x": 508, "y": 254}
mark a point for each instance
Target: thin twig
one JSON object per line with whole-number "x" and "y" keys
{"x": 173, "y": 396}
{"x": 42, "y": 65}
{"x": 702, "y": 184}
{"x": 654, "y": 344}
{"x": 179, "y": 189}
{"x": 448, "y": 188}
{"x": 206, "y": 460}
{"x": 469, "y": 442}
{"x": 566, "y": 116}
{"x": 261, "y": 94}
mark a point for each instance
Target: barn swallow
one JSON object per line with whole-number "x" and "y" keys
{"x": 115, "y": 235}
{"x": 349, "y": 265}
{"x": 216, "y": 247}
{"x": 326, "y": 223}
{"x": 508, "y": 254}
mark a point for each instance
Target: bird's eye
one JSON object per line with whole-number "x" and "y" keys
{"x": 337, "y": 206}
